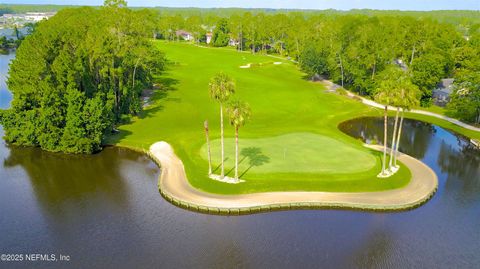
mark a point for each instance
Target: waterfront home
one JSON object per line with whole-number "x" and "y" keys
{"x": 184, "y": 35}
{"x": 441, "y": 95}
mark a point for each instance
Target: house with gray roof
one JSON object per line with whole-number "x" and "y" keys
{"x": 441, "y": 95}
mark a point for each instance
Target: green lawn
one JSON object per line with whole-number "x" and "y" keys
{"x": 288, "y": 113}
{"x": 434, "y": 109}
{"x": 444, "y": 124}
{"x": 291, "y": 153}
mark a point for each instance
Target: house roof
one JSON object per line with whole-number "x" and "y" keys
{"x": 445, "y": 83}
{"x": 442, "y": 91}
{"x": 401, "y": 64}
{"x": 183, "y": 32}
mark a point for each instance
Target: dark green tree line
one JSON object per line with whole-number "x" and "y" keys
{"x": 77, "y": 74}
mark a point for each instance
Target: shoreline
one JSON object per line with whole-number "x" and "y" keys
{"x": 418, "y": 111}
{"x": 371, "y": 103}
{"x": 174, "y": 187}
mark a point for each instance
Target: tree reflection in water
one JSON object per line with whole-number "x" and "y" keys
{"x": 455, "y": 156}
{"x": 415, "y": 140}
{"x": 61, "y": 181}
{"x": 462, "y": 166}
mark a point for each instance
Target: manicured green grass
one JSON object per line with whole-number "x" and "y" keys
{"x": 291, "y": 153}
{"x": 444, "y": 124}
{"x": 282, "y": 104}
{"x": 434, "y": 109}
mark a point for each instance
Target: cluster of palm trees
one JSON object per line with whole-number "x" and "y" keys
{"x": 395, "y": 89}
{"x": 222, "y": 88}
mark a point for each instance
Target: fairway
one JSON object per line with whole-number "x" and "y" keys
{"x": 296, "y": 153}
{"x": 294, "y": 124}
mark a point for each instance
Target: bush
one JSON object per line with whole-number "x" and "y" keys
{"x": 341, "y": 91}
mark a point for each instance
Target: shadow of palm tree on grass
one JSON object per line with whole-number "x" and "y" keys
{"x": 239, "y": 162}
{"x": 255, "y": 158}
{"x": 220, "y": 165}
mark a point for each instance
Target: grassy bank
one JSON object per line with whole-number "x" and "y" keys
{"x": 444, "y": 124}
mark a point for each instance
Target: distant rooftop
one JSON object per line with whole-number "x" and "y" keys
{"x": 445, "y": 83}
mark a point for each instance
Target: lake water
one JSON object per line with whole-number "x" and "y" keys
{"x": 5, "y": 95}
{"x": 105, "y": 211}
{"x": 10, "y": 33}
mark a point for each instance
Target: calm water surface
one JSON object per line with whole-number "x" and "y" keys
{"x": 5, "y": 95}
{"x": 105, "y": 212}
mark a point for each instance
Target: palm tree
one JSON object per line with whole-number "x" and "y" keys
{"x": 205, "y": 124}
{"x": 239, "y": 112}
{"x": 221, "y": 87}
{"x": 394, "y": 138}
{"x": 402, "y": 82}
{"x": 410, "y": 97}
{"x": 387, "y": 94}
{"x": 395, "y": 155}
{"x": 382, "y": 96}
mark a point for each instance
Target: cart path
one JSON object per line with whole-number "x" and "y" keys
{"x": 417, "y": 111}
{"x": 174, "y": 185}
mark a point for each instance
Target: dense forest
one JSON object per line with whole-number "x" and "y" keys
{"x": 76, "y": 75}
{"x": 464, "y": 17}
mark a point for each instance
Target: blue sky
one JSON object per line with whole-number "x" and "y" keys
{"x": 302, "y": 4}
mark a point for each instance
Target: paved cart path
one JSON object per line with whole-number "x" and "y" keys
{"x": 332, "y": 86}
{"x": 174, "y": 185}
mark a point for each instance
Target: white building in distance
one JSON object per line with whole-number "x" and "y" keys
{"x": 20, "y": 19}
{"x": 209, "y": 38}
{"x": 38, "y": 16}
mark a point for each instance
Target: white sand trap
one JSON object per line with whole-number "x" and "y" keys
{"x": 245, "y": 66}
{"x": 277, "y": 63}
{"x": 229, "y": 180}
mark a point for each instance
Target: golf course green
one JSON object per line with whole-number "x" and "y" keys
{"x": 291, "y": 142}
{"x": 319, "y": 154}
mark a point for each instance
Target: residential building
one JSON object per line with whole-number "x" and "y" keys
{"x": 441, "y": 95}
{"x": 184, "y": 35}
{"x": 209, "y": 37}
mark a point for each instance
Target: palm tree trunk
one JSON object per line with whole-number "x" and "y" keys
{"x": 221, "y": 139}
{"x": 413, "y": 55}
{"x": 134, "y": 73}
{"x": 394, "y": 137}
{"x": 298, "y": 47}
{"x": 478, "y": 115}
{"x": 208, "y": 147}
{"x": 17, "y": 33}
{"x": 384, "y": 162}
{"x": 398, "y": 140}
{"x": 253, "y": 46}
{"x": 374, "y": 68}
{"x": 341, "y": 67}
{"x": 240, "y": 38}
{"x": 236, "y": 152}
